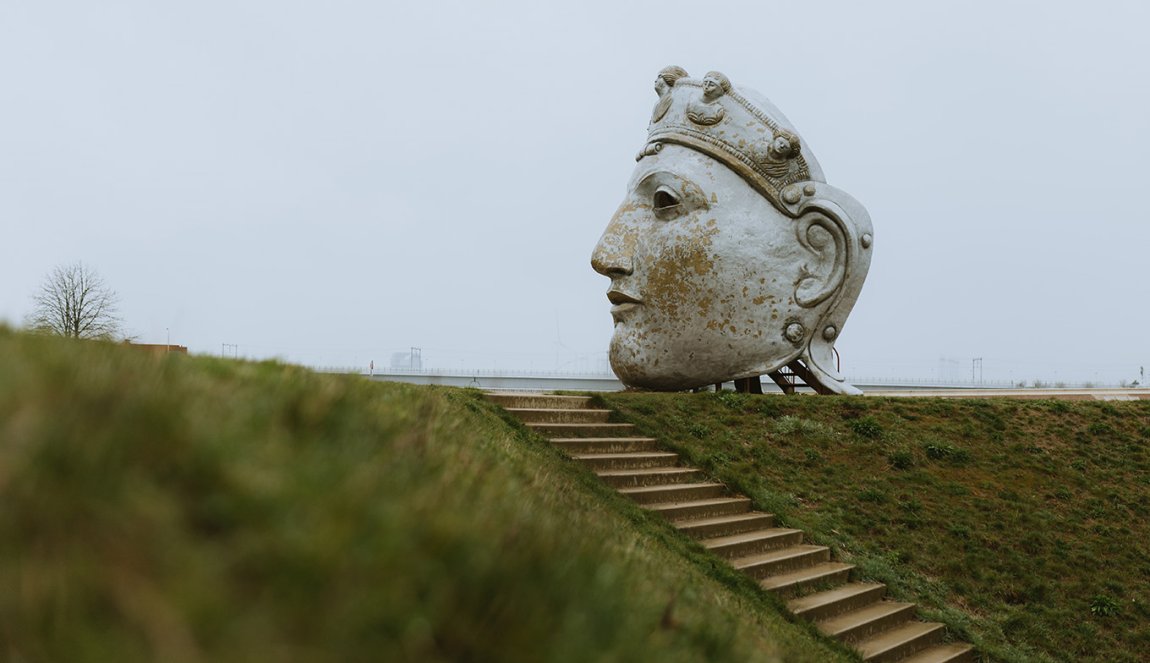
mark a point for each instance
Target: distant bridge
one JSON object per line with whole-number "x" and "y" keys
{"x": 495, "y": 380}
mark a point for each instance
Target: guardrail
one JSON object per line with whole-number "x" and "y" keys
{"x": 526, "y": 380}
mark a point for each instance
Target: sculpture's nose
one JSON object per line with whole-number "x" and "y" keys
{"x": 613, "y": 255}
{"x": 609, "y": 263}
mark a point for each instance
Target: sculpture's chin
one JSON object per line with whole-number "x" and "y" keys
{"x": 639, "y": 367}
{"x": 638, "y": 377}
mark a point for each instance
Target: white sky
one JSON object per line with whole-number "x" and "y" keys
{"x": 333, "y": 182}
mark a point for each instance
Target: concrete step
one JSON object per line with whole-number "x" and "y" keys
{"x": 633, "y": 460}
{"x": 605, "y": 445}
{"x": 705, "y": 528}
{"x": 745, "y": 544}
{"x": 954, "y": 652}
{"x": 581, "y": 430}
{"x": 782, "y": 561}
{"x": 819, "y": 575}
{"x": 824, "y": 605}
{"x": 686, "y": 492}
{"x": 705, "y": 508}
{"x": 560, "y": 416}
{"x": 513, "y": 400}
{"x": 658, "y": 476}
{"x": 900, "y": 642}
{"x": 867, "y": 621}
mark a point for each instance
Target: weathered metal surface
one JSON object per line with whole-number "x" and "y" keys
{"x": 730, "y": 257}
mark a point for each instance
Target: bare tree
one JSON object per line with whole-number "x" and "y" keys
{"x": 74, "y": 301}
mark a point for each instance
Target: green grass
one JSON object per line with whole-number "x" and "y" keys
{"x": 189, "y": 509}
{"x": 1023, "y": 525}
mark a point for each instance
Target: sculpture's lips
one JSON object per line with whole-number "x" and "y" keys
{"x": 618, "y": 298}
{"x": 623, "y": 303}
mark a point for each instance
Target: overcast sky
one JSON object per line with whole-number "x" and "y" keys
{"x": 332, "y": 182}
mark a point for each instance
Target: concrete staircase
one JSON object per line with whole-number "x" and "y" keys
{"x": 816, "y": 587}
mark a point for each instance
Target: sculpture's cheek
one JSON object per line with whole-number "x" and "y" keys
{"x": 680, "y": 271}
{"x": 708, "y": 283}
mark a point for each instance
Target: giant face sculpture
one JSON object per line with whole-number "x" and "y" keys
{"x": 729, "y": 257}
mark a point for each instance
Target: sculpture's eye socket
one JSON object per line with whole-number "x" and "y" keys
{"x": 665, "y": 202}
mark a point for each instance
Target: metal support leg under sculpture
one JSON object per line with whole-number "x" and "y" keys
{"x": 752, "y": 385}
{"x": 796, "y": 369}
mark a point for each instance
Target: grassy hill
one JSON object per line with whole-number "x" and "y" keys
{"x": 1021, "y": 524}
{"x": 189, "y": 509}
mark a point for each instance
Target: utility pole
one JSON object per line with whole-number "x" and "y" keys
{"x": 976, "y": 370}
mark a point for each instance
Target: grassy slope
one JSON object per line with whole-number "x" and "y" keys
{"x": 1022, "y": 524}
{"x": 188, "y": 509}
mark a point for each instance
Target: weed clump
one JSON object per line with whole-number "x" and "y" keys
{"x": 788, "y": 425}
{"x": 1100, "y": 429}
{"x": 946, "y": 452}
{"x": 874, "y": 495}
{"x": 1103, "y": 606}
{"x": 732, "y": 399}
{"x": 866, "y": 427}
{"x": 901, "y": 459}
{"x": 772, "y": 407}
